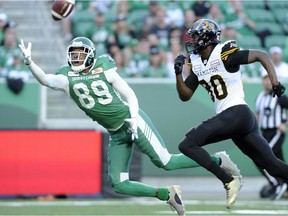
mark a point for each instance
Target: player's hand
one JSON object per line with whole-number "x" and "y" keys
{"x": 282, "y": 127}
{"x": 26, "y": 52}
{"x": 178, "y": 63}
{"x": 133, "y": 127}
{"x": 278, "y": 90}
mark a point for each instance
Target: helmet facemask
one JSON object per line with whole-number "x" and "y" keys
{"x": 79, "y": 57}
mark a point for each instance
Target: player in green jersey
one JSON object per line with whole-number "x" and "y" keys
{"x": 95, "y": 86}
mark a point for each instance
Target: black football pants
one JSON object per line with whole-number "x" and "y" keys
{"x": 239, "y": 124}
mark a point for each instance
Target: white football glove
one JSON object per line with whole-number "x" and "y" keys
{"x": 133, "y": 127}
{"x": 26, "y": 52}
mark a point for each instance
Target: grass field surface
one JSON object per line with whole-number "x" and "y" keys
{"x": 202, "y": 196}
{"x": 142, "y": 206}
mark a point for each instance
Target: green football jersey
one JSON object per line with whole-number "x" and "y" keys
{"x": 95, "y": 95}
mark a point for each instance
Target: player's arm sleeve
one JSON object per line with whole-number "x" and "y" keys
{"x": 192, "y": 82}
{"x": 232, "y": 57}
{"x": 124, "y": 89}
{"x": 57, "y": 82}
{"x": 238, "y": 58}
{"x": 186, "y": 88}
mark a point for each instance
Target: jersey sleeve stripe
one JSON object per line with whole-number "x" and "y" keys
{"x": 224, "y": 55}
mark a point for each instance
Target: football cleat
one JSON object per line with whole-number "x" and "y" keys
{"x": 279, "y": 191}
{"x": 227, "y": 164}
{"x": 175, "y": 200}
{"x": 232, "y": 190}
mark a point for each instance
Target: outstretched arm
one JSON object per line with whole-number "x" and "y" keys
{"x": 251, "y": 56}
{"x": 58, "y": 82}
{"x": 124, "y": 89}
{"x": 265, "y": 60}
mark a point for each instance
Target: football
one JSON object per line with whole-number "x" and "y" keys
{"x": 61, "y": 9}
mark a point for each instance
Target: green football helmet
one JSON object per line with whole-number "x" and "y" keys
{"x": 80, "y": 54}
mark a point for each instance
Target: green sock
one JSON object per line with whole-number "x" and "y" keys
{"x": 180, "y": 161}
{"x": 217, "y": 160}
{"x": 163, "y": 193}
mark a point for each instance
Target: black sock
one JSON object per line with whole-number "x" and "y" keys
{"x": 220, "y": 173}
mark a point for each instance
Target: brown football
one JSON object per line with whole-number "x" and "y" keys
{"x": 61, "y": 9}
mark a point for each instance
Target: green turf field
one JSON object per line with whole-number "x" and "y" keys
{"x": 142, "y": 206}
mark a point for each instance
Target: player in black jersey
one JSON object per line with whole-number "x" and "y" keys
{"x": 216, "y": 67}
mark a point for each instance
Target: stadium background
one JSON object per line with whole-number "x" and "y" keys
{"x": 40, "y": 109}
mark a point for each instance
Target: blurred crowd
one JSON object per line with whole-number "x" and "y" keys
{"x": 11, "y": 63}
{"x": 145, "y": 36}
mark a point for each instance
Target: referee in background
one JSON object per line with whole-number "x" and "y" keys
{"x": 271, "y": 114}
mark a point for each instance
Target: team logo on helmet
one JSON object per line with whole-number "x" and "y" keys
{"x": 208, "y": 32}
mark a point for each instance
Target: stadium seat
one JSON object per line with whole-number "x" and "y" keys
{"x": 82, "y": 22}
{"x": 275, "y": 28}
{"x": 278, "y": 4}
{"x": 281, "y": 15}
{"x": 249, "y": 42}
{"x": 253, "y": 4}
{"x": 275, "y": 40}
{"x": 260, "y": 15}
{"x": 83, "y": 15}
{"x": 136, "y": 18}
{"x": 82, "y": 28}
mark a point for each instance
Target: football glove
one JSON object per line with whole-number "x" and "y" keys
{"x": 26, "y": 52}
{"x": 178, "y": 63}
{"x": 133, "y": 127}
{"x": 278, "y": 90}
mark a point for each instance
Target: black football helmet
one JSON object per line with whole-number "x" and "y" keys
{"x": 74, "y": 58}
{"x": 203, "y": 33}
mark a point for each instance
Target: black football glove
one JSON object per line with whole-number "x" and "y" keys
{"x": 278, "y": 90}
{"x": 178, "y": 63}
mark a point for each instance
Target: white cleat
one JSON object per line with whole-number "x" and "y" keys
{"x": 175, "y": 200}
{"x": 227, "y": 164}
{"x": 232, "y": 190}
{"x": 279, "y": 191}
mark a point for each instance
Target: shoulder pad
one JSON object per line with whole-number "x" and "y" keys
{"x": 228, "y": 48}
{"x": 63, "y": 70}
{"x": 106, "y": 62}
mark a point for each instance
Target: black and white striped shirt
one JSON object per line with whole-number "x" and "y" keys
{"x": 271, "y": 111}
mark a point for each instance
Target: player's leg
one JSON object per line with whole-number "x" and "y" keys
{"x": 256, "y": 147}
{"x": 217, "y": 128}
{"x": 277, "y": 148}
{"x": 151, "y": 143}
{"x": 275, "y": 139}
{"x": 276, "y": 143}
{"x": 119, "y": 156}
